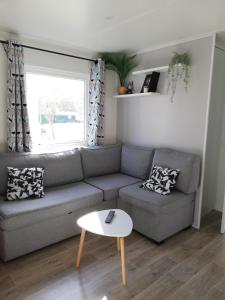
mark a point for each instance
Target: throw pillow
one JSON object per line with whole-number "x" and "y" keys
{"x": 25, "y": 183}
{"x": 162, "y": 180}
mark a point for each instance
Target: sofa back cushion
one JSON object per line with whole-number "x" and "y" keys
{"x": 187, "y": 163}
{"x": 136, "y": 161}
{"x": 101, "y": 160}
{"x": 60, "y": 168}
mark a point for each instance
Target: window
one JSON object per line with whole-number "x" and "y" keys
{"x": 57, "y": 108}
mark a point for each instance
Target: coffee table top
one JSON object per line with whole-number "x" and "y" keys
{"x": 94, "y": 222}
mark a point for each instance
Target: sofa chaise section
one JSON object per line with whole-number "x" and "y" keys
{"x": 155, "y": 215}
{"x": 159, "y": 216}
{"x": 152, "y": 202}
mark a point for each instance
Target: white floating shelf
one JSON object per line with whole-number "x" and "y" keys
{"x": 146, "y": 71}
{"x": 136, "y": 95}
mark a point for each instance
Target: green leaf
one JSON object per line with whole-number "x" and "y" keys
{"x": 120, "y": 62}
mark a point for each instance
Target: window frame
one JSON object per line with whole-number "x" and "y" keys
{"x": 32, "y": 69}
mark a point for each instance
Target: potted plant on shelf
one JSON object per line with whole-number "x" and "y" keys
{"x": 122, "y": 63}
{"x": 179, "y": 69}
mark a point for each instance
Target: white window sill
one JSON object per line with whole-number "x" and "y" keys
{"x": 57, "y": 148}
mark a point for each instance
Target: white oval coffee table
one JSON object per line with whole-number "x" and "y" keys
{"x": 120, "y": 227}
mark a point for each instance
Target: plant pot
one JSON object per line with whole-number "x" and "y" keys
{"x": 122, "y": 90}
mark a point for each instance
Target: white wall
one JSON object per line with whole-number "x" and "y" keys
{"x": 43, "y": 59}
{"x": 110, "y": 107}
{"x": 155, "y": 121}
{"x": 215, "y": 155}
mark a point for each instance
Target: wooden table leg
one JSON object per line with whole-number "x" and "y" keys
{"x": 118, "y": 243}
{"x": 80, "y": 249}
{"x": 123, "y": 261}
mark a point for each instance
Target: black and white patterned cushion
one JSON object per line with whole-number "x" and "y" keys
{"x": 25, "y": 183}
{"x": 162, "y": 180}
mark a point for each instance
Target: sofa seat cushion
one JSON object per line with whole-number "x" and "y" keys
{"x": 154, "y": 202}
{"x": 110, "y": 184}
{"x": 57, "y": 201}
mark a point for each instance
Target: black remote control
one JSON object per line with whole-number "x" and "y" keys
{"x": 110, "y": 216}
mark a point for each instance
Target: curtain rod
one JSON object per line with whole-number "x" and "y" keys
{"x": 50, "y": 51}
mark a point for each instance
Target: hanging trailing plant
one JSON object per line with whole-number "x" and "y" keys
{"x": 179, "y": 69}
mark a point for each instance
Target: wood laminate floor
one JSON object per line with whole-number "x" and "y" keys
{"x": 190, "y": 265}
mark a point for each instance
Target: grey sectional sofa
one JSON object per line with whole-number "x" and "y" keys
{"x": 80, "y": 181}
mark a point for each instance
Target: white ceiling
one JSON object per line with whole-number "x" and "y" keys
{"x": 111, "y": 25}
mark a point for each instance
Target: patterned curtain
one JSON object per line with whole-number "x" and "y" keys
{"x": 96, "y": 104}
{"x": 19, "y": 139}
